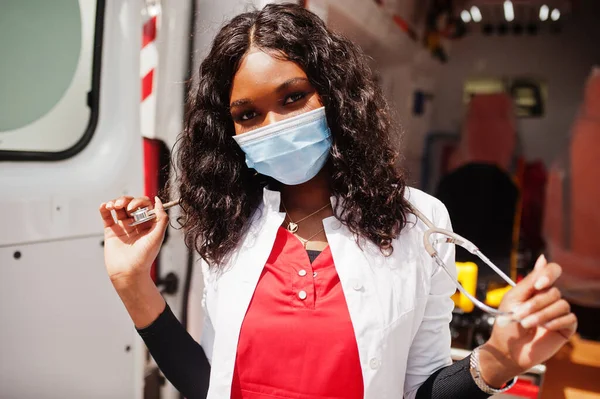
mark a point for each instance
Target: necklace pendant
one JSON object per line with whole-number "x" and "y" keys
{"x": 292, "y": 227}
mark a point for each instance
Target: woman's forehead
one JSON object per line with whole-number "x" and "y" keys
{"x": 263, "y": 72}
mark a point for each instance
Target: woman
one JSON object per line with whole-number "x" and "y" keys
{"x": 317, "y": 284}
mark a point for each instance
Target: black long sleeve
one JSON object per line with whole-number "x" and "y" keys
{"x": 183, "y": 362}
{"x": 181, "y": 359}
{"x": 451, "y": 382}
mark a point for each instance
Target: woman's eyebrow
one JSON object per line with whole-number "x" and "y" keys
{"x": 289, "y": 83}
{"x": 241, "y": 102}
{"x": 282, "y": 87}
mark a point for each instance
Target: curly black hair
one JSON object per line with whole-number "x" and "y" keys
{"x": 219, "y": 193}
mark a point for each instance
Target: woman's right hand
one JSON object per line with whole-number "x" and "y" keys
{"x": 129, "y": 251}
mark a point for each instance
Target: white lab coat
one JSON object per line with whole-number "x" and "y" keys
{"x": 400, "y": 305}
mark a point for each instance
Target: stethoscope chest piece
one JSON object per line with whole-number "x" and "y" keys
{"x": 146, "y": 214}
{"x": 142, "y": 215}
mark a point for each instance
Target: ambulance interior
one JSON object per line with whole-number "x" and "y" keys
{"x": 498, "y": 107}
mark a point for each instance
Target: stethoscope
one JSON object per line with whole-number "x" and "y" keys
{"x": 453, "y": 238}
{"x": 144, "y": 215}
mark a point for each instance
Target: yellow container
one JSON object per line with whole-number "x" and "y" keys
{"x": 467, "y": 276}
{"x": 494, "y": 297}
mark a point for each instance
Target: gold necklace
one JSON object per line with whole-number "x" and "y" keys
{"x": 293, "y": 226}
{"x": 306, "y": 241}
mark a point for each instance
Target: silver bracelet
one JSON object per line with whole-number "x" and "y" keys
{"x": 476, "y": 374}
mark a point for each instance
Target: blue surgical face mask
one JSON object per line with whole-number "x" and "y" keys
{"x": 291, "y": 151}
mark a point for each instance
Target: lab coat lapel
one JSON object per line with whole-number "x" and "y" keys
{"x": 236, "y": 288}
{"x": 355, "y": 266}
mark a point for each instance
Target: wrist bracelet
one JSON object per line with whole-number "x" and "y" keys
{"x": 481, "y": 384}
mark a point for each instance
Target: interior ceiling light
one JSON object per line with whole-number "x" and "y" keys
{"x": 509, "y": 11}
{"x": 476, "y": 14}
{"x": 465, "y": 16}
{"x": 544, "y": 12}
{"x": 555, "y": 14}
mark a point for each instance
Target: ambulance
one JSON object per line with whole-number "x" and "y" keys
{"x": 92, "y": 98}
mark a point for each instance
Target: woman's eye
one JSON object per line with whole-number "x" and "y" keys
{"x": 246, "y": 116}
{"x": 292, "y": 98}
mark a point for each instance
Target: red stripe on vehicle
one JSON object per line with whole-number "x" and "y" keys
{"x": 147, "y": 84}
{"x": 149, "y": 31}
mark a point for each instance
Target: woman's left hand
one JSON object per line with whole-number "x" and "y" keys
{"x": 546, "y": 324}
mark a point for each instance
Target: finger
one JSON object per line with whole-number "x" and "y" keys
{"x": 540, "y": 263}
{"x": 106, "y": 215}
{"x": 159, "y": 210}
{"x": 109, "y": 222}
{"x": 566, "y": 324}
{"x": 118, "y": 203}
{"x": 126, "y": 224}
{"x": 537, "y": 302}
{"x": 555, "y": 310}
{"x": 120, "y": 207}
{"x": 548, "y": 277}
{"x": 536, "y": 281}
{"x": 139, "y": 202}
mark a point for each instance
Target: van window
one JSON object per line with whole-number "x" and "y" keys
{"x": 529, "y": 94}
{"x": 47, "y": 93}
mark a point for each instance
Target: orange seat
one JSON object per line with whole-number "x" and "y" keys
{"x": 572, "y": 215}
{"x": 489, "y": 134}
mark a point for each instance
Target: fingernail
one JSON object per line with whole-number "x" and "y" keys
{"x": 540, "y": 263}
{"x": 158, "y": 201}
{"x": 541, "y": 283}
{"x": 502, "y": 321}
{"x": 119, "y": 203}
{"x": 529, "y": 322}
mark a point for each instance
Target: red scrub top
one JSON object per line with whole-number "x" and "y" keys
{"x": 297, "y": 340}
